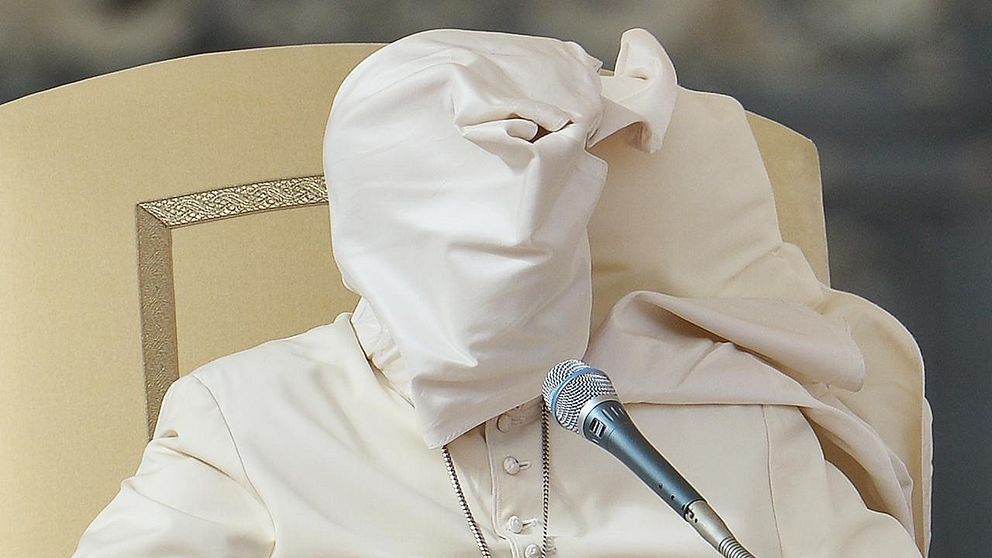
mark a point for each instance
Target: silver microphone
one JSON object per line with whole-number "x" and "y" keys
{"x": 583, "y": 400}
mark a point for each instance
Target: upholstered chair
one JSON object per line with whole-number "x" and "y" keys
{"x": 157, "y": 218}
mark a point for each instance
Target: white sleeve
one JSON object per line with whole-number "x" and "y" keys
{"x": 190, "y": 496}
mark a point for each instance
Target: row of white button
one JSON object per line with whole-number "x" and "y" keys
{"x": 512, "y": 466}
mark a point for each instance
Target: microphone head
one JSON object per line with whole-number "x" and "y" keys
{"x": 569, "y": 386}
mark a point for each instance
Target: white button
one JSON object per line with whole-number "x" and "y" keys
{"x": 514, "y": 524}
{"x": 532, "y": 551}
{"x": 512, "y": 466}
{"x": 504, "y": 423}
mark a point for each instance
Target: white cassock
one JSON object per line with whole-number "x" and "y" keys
{"x": 470, "y": 203}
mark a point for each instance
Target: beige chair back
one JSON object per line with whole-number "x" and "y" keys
{"x": 154, "y": 219}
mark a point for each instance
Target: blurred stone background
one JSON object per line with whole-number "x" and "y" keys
{"x": 897, "y": 95}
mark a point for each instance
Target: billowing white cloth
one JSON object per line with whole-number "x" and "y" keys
{"x": 462, "y": 193}
{"x": 464, "y": 230}
{"x": 464, "y": 235}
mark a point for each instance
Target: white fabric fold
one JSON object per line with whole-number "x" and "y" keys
{"x": 641, "y": 90}
{"x": 732, "y": 351}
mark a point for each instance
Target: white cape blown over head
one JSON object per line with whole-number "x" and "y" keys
{"x": 469, "y": 208}
{"x": 461, "y": 193}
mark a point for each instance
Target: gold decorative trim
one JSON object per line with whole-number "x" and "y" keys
{"x": 158, "y": 311}
{"x": 238, "y": 200}
{"x": 154, "y": 221}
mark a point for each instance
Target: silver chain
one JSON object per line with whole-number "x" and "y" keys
{"x": 545, "y": 487}
{"x": 545, "y": 476}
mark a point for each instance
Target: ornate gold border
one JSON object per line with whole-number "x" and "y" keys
{"x": 154, "y": 221}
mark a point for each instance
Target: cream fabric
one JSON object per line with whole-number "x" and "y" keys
{"x": 733, "y": 378}
{"x": 722, "y": 254}
{"x": 297, "y": 448}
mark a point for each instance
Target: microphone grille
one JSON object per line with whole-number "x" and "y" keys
{"x": 569, "y": 385}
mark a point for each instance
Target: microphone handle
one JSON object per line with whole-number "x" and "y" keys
{"x": 605, "y": 423}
